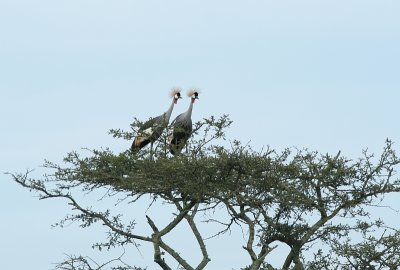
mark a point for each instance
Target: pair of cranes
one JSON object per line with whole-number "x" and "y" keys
{"x": 181, "y": 126}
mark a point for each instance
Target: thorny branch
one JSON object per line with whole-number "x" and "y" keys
{"x": 73, "y": 262}
{"x": 293, "y": 197}
{"x": 92, "y": 215}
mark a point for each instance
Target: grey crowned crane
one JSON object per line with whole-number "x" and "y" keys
{"x": 182, "y": 126}
{"x": 153, "y": 128}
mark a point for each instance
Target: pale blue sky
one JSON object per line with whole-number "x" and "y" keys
{"x": 317, "y": 74}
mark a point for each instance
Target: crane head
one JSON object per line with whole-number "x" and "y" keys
{"x": 193, "y": 94}
{"x": 176, "y": 94}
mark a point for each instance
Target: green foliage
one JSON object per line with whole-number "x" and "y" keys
{"x": 295, "y": 197}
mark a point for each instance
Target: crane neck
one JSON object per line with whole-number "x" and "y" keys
{"x": 167, "y": 114}
{"x": 189, "y": 111}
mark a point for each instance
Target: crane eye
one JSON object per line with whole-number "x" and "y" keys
{"x": 178, "y": 94}
{"x": 196, "y": 94}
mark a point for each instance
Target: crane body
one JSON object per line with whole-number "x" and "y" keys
{"x": 182, "y": 126}
{"x": 153, "y": 128}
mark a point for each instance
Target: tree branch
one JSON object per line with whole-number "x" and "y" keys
{"x": 200, "y": 241}
{"x": 158, "y": 243}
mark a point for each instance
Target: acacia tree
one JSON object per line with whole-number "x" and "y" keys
{"x": 315, "y": 204}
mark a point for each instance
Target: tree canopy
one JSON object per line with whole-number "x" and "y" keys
{"x": 316, "y": 204}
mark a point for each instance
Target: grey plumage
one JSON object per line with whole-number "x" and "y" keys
{"x": 182, "y": 126}
{"x": 153, "y": 128}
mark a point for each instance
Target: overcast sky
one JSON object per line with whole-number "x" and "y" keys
{"x": 317, "y": 74}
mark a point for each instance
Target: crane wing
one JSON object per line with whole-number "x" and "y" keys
{"x": 149, "y": 132}
{"x": 180, "y": 135}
